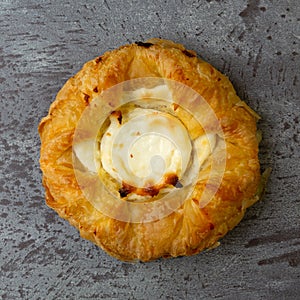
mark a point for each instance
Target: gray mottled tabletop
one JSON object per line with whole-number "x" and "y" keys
{"x": 43, "y": 43}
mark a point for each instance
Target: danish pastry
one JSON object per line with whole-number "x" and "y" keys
{"x": 150, "y": 153}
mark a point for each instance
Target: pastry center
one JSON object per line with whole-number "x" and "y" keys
{"x": 147, "y": 149}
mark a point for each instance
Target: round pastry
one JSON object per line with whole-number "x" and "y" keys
{"x": 150, "y": 153}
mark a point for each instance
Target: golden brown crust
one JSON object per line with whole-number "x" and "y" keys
{"x": 190, "y": 229}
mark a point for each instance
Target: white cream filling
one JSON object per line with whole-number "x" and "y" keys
{"x": 85, "y": 153}
{"x": 151, "y": 145}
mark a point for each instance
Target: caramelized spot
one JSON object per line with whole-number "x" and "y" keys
{"x": 95, "y": 89}
{"x": 147, "y": 191}
{"x": 211, "y": 226}
{"x": 171, "y": 179}
{"x": 175, "y": 105}
{"x": 120, "y": 119}
{"x": 98, "y": 59}
{"x": 86, "y": 98}
{"x": 195, "y": 201}
{"x": 118, "y": 115}
{"x": 151, "y": 190}
{"x": 126, "y": 189}
{"x": 146, "y": 45}
{"x": 187, "y": 53}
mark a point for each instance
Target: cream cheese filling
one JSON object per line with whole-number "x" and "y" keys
{"x": 150, "y": 146}
{"x": 85, "y": 152}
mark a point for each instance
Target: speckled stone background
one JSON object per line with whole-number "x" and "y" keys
{"x": 254, "y": 42}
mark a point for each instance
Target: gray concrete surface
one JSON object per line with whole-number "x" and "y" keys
{"x": 255, "y": 42}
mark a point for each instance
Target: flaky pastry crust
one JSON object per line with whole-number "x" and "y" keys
{"x": 189, "y": 229}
